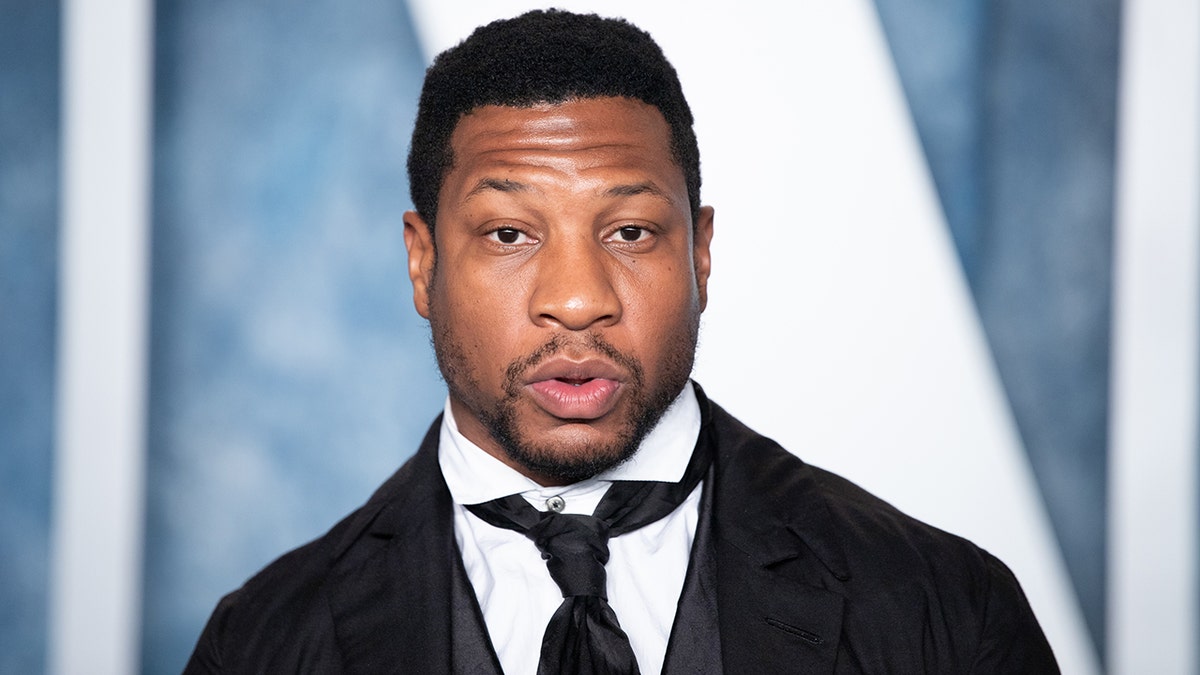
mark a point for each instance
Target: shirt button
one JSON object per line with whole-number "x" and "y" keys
{"x": 556, "y": 504}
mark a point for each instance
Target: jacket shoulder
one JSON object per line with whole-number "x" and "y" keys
{"x": 852, "y": 532}
{"x": 969, "y": 603}
{"x": 280, "y": 619}
{"x": 912, "y": 593}
{"x": 280, "y": 608}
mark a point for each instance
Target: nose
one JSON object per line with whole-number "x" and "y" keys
{"x": 574, "y": 287}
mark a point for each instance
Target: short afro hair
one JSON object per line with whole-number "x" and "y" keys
{"x": 544, "y": 57}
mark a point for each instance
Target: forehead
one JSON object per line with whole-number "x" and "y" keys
{"x": 597, "y": 138}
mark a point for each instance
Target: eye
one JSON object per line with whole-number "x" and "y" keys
{"x": 632, "y": 233}
{"x": 509, "y": 236}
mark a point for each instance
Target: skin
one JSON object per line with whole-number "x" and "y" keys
{"x": 565, "y": 285}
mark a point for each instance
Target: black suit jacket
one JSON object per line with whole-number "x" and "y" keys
{"x": 814, "y": 575}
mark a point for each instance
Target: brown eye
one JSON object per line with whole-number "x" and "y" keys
{"x": 630, "y": 233}
{"x": 507, "y": 235}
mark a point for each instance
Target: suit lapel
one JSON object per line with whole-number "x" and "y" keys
{"x": 390, "y": 591}
{"x": 776, "y": 557}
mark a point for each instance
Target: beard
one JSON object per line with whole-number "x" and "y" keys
{"x": 645, "y": 403}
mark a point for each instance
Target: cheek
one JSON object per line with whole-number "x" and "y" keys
{"x": 661, "y": 324}
{"x": 484, "y": 317}
{"x": 661, "y": 295}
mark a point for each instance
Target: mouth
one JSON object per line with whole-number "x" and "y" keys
{"x": 568, "y": 390}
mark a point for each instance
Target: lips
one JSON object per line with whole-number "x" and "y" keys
{"x": 584, "y": 390}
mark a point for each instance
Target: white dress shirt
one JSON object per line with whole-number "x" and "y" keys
{"x": 646, "y": 568}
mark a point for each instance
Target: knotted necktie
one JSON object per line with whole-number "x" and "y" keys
{"x": 583, "y": 636}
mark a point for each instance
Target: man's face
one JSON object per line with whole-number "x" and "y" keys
{"x": 569, "y": 282}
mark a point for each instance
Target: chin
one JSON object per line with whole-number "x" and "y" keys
{"x": 572, "y": 462}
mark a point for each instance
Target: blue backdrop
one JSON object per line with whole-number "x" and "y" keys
{"x": 29, "y": 147}
{"x": 283, "y": 339}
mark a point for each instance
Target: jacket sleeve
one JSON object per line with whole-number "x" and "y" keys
{"x": 1011, "y": 640}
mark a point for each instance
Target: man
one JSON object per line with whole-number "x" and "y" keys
{"x": 581, "y": 507}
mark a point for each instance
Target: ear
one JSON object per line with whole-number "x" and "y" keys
{"x": 419, "y": 242}
{"x": 701, "y": 257}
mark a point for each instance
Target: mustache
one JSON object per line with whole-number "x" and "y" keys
{"x": 591, "y": 343}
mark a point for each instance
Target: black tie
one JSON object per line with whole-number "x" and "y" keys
{"x": 584, "y": 637}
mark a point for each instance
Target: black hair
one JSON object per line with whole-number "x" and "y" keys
{"x": 548, "y": 56}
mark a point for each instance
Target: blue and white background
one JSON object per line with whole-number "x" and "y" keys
{"x": 957, "y": 258}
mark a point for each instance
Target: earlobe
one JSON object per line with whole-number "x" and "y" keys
{"x": 701, "y": 255}
{"x": 419, "y": 242}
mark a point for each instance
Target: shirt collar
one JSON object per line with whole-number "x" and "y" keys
{"x": 473, "y": 476}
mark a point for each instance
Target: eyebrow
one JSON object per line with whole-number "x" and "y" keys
{"x": 498, "y": 184}
{"x": 632, "y": 189}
